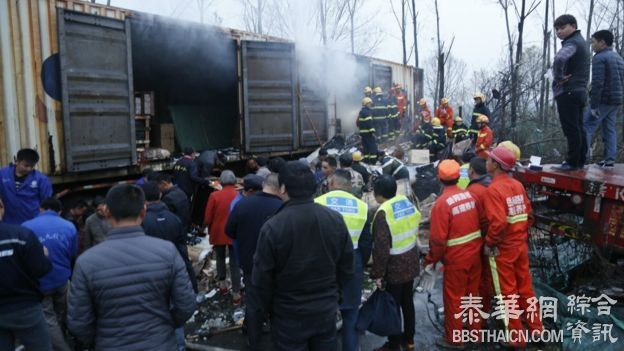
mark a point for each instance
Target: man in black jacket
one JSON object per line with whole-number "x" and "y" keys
{"x": 304, "y": 255}
{"x": 132, "y": 291}
{"x": 161, "y": 223}
{"x": 22, "y": 262}
{"x": 186, "y": 174}
{"x": 175, "y": 199}
{"x": 243, "y": 225}
{"x": 570, "y": 80}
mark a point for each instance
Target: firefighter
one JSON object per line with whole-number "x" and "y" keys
{"x": 479, "y": 109}
{"x": 380, "y": 114}
{"x": 393, "y": 115}
{"x": 392, "y": 166}
{"x": 460, "y": 130}
{"x": 368, "y": 92}
{"x": 401, "y": 105}
{"x": 425, "y": 112}
{"x": 366, "y": 126}
{"x": 509, "y": 217}
{"x": 424, "y": 134}
{"x": 445, "y": 114}
{"x": 438, "y": 141}
{"x": 485, "y": 136}
{"x": 455, "y": 240}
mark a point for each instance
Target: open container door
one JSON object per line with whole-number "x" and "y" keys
{"x": 382, "y": 77}
{"x": 312, "y": 115}
{"x": 269, "y": 97}
{"x": 96, "y": 80}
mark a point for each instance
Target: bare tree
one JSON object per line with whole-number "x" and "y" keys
{"x": 442, "y": 57}
{"x": 545, "y": 62}
{"x": 401, "y": 22}
{"x": 415, "y": 27}
{"x": 253, "y": 13}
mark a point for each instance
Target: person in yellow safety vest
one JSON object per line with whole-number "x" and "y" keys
{"x": 355, "y": 214}
{"x": 460, "y": 130}
{"x": 464, "y": 174}
{"x": 395, "y": 255}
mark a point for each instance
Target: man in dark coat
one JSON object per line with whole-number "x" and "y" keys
{"x": 175, "y": 199}
{"x": 161, "y": 223}
{"x": 303, "y": 257}
{"x": 185, "y": 173}
{"x": 131, "y": 291}
{"x": 243, "y": 225}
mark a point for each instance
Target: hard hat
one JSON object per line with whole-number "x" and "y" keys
{"x": 436, "y": 121}
{"x": 458, "y": 119}
{"x": 448, "y": 170}
{"x": 368, "y": 90}
{"x": 504, "y": 157}
{"x": 479, "y": 95}
{"x": 444, "y": 101}
{"x": 483, "y": 119}
{"x": 512, "y": 147}
{"x": 378, "y": 90}
{"x": 366, "y": 101}
{"x": 422, "y": 102}
{"x": 357, "y": 156}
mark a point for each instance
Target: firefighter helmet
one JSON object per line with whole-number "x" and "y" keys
{"x": 378, "y": 90}
{"x": 483, "y": 119}
{"x": 368, "y": 90}
{"x": 422, "y": 102}
{"x": 458, "y": 119}
{"x": 479, "y": 95}
{"x": 504, "y": 157}
{"x": 436, "y": 122}
{"x": 444, "y": 101}
{"x": 366, "y": 101}
{"x": 512, "y": 147}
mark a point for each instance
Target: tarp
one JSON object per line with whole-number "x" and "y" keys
{"x": 202, "y": 127}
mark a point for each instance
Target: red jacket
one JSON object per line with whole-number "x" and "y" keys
{"x": 484, "y": 140}
{"x": 453, "y": 215}
{"x": 508, "y": 211}
{"x": 217, "y": 212}
{"x": 478, "y": 190}
{"x": 401, "y": 103}
{"x": 445, "y": 119}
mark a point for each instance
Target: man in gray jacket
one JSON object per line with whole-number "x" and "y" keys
{"x": 607, "y": 95}
{"x": 131, "y": 291}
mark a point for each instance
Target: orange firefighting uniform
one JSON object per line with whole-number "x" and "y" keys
{"x": 484, "y": 141}
{"x": 509, "y": 216}
{"x": 455, "y": 239}
{"x": 446, "y": 119}
{"x": 486, "y": 287}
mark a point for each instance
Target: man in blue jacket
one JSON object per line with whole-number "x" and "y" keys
{"x": 22, "y": 263}
{"x": 60, "y": 238}
{"x": 23, "y": 187}
{"x": 607, "y": 94}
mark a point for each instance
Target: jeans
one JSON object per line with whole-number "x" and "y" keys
{"x": 54, "y": 309}
{"x": 570, "y": 106}
{"x": 235, "y": 274}
{"x": 304, "y": 334}
{"x": 29, "y": 325}
{"x": 404, "y": 297}
{"x": 350, "y": 337}
{"x": 606, "y": 121}
{"x": 180, "y": 340}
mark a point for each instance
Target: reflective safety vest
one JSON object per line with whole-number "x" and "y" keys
{"x": 464, "y": 180}
{"x": 353, "y": 210}
{"x": 403, "y": 219}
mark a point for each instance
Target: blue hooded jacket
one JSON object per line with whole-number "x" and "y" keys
{"x": 60, "y": 238}
{"x": 23, "y": 204}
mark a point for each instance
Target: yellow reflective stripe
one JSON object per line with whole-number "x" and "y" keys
{"x": 367, "y": 130}
{"x": 366, "y": 118}
{"x": 518, "y": 218}
{"x": 464, "y": 239}
{"x": 402, "y": 250}
{"x": 497, "y": 287}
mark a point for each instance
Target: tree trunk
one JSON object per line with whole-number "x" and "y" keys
{"x": 403, "y": 32}
{"x": 441, "y": 70}
{"x": 352, "y": 23}
{"x": 545, "y": 61}
{"x": 516, "y": 68}
{"x": 440, "y": 73}
{"x": 589, "y": 21}
{"x": 415, "y": 24}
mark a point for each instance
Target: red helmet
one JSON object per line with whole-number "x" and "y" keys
{"x": 504, "y": 157}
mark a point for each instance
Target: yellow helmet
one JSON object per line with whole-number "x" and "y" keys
{"x": 357, "y": 156}
{"x": 422, "y": 102}
{"x": 483, "y": 119}
{"x": 509, "y": 145}
{"x": 458, "y": 119}
{"x": 435, "y": 122}
{"x": 368, "y": 90}
{"x": 444, "y": 101}
{"x": 378, "y": 90}
{"x": 366, "y": 101}
{"x": 479, "y": 95}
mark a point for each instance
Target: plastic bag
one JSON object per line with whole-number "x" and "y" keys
{"x": 380, "y": 315}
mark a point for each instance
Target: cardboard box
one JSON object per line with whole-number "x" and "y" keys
{"x": 418, "y": 156}
{"x": 163, "y": 136}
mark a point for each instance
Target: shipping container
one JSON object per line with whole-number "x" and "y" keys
{"x": 71, "y": 69}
